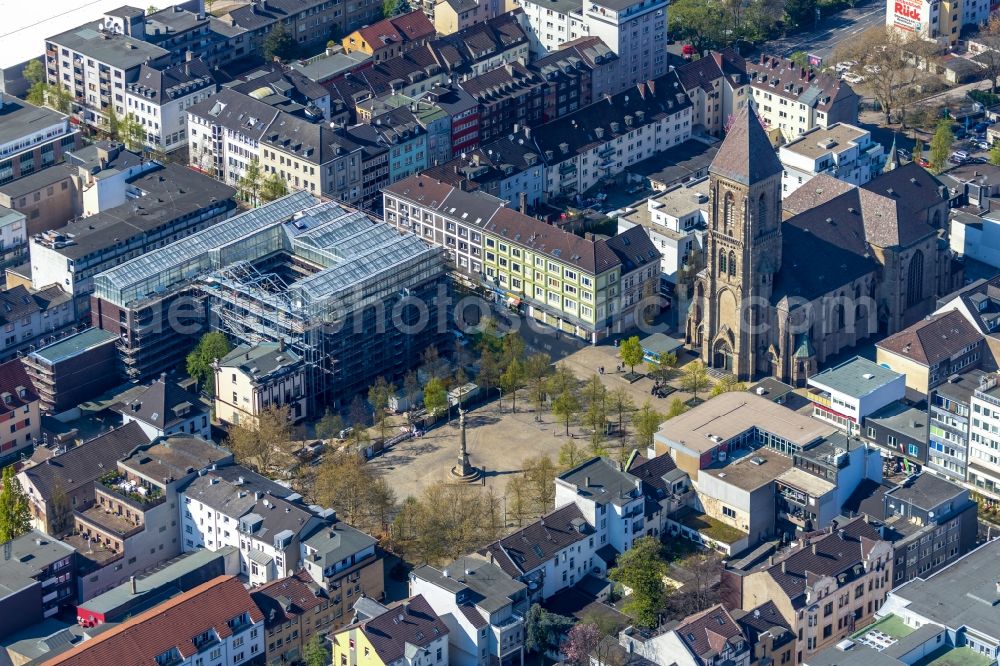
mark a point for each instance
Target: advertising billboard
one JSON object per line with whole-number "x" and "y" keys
{"x": 906, "y": 14}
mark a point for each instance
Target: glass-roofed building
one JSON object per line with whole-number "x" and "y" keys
{"x": 345, "y": 293}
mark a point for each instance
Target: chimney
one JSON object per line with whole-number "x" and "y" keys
{"x": 783, "y": 567}
{"x": 527, "y": 132}
{"x": 523, "y": 202}
{"x": 814, "y": 549}
{"x": 281, "y": 345}
{"x": 188, "y": 56}
{"x": 132, "y": 586}
{"x": 586, "y": 482}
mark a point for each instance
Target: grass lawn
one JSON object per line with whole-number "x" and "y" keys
{"x": 713, "y": 529}
{"x": 961, "y": 656}
{"x": 890, "y": 626}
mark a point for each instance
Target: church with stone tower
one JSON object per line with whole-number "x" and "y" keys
{"x": 788, "y": 284}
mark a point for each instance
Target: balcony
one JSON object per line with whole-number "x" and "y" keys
{"x": 819, "y": 397}
{"x": 510, "y": 621}
{"x": 131, "y": 492}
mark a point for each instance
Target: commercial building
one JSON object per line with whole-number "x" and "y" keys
{"x": 275, "y": 273}
{"x": 407, "y": 633}
{"x": 215, "y": 622}
{"x": 38, "y": 578}
{"x": 942, "y": 22}
{"x": 843, "y": 151}
{"x": 950, "y": 414}
{"x": 295, "y": 609}
{"x": 846, "y": 394}
{"x": 483, "y": 608}
{"x": 796, "y": 99}
{"x": 168, "y": 202}
{"x": 249, "y": 380}
{"x": 933, "y": 349}
{"x": 900, "y": 432}
{"x": 64, "y": 482}
{"x": 979, "y": 303}
{"x": 158, "y": 100}
{"x": 635, "y": 30}
{"x": 31, "y": 138}
{"x": 74, "y": 369}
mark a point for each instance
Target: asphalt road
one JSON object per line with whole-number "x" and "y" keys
{"x": 831, "y": 31}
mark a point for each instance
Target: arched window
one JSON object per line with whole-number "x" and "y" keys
{"x": 728, "y": 212}
{"x": 838, "y": 317}
{"x": 761, "y": 213}
{"x": 732, "y": 263}
{"x": 722, "y": 262}
{"x": 915, "y": 279}
{"x": 937, "y": 219}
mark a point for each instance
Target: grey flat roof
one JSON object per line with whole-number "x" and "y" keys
{"x": 30, "y": 553}
{"x": 37, "y": 180}
{"x": 926, "y": 491}
{"x": 902, "y": 418}
{"x": 117, "y": 50}
{"x": 962, "y": 594}
{"x": 327, "y": 67}
{"x": 74, "y": 344}
{"x": 19, "y": 119}
{"x": 856, "y": 377}
{"x": 748, "y": 472}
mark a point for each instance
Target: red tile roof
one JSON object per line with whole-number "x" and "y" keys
{"x": 932, "y": 340}
{"x": 405, "y": 28}
{"x": 172, "y": 624}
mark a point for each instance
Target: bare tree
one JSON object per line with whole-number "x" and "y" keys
{"x": 989, "y": 37}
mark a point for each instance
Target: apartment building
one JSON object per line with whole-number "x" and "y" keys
{"x": 312, "y": 157}
{"x": 950, "y": 413}
{"x": 164, "y": 408}
{"x": 168, "y": 202}
{"x": 676, "y": 222}
{"x": 406, "y": 139}
{"x": 979, "y": 303}
{"x": 586, "y": 288}
{"x": 843, "y": 151}
{"x": 39, "y": 581}
{"x": 64, "y": 482}
{"x": 504, "y": 169}
{"x": 214, "y": 623}
{"x": 844, "y": 395}
{"x": 224, "y": 133}
{"x": 32, "y": 138}
{"x": 76, "y": 368}
{"x": 391, "y": 37}
{"x": 20, "y": 418}
{"x": 94, "y": 62}
{"x": 453, "y": 15}
{"x": 702, "y": 639}
{"x": 575, "y": 74}
{"x": 249, "y": 380}
{"x": 483, "y": 608}
{"x": 984, "y": 444}
{"x": 294, "y": 611}
{"x": 942, "y": 22}
{"x": 635, "y": 30}
{"x": 509, "y": 97}
{"x": 796, "y": 99}
{"x": 33, "y": 318}
{"x": 131, "y": 526}
{"x": 718, "y": 87}
{"x": 159, "y": 98}
{"x": 933, "y": 349}
{"x": 406, "y": 633}
{"x": 598, "y": 142}
{"x": 825, "y": 586}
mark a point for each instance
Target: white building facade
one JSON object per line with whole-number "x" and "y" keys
{"x": 842, "y": 151}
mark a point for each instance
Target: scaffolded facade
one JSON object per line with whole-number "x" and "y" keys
{"x": 353, "y": 298}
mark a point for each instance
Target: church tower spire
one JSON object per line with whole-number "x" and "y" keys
{"x": 743, "y": 252}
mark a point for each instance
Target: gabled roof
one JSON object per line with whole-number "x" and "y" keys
{"x": 409, "y": 622}
{"x": 287, "y": 598}
{"x": 159, "y": 86}
{"x": 532, "y": 546}
{"x": 172, "y": 625}
{"x": 16, "y": 389}
{"x": 783, "y": 78}
{"x": 162, "y": 404}
{"x": 404, "y": 28}
{"x": 746, "y": 155}
{"x": 934, "y": 339}
{"x": 704, "y": 72}
{"x": 83, "y": 464}
{"x": 708, "y": 633}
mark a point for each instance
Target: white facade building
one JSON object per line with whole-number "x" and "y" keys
{"x": 984, "y": 442}
{"x": 224, "y": 133}
{"x": 936, "y": 20}
{"x": 846, "y": 394}
{"x": 159, "y": 99}
{"x": 843, "y": 151}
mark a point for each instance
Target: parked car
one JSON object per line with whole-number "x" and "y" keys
{"x": 851, "y": 77}
{"x": 904, "y": 154}
{"x": 982, "y": 144}
{"x": 981, "y": 127}
{"x": 923, "y": 162}
{"x": 960, "y": 155}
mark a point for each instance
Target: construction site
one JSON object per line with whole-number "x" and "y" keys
{"x": 354, "y": 298}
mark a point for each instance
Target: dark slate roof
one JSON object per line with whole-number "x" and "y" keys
{"x": 236, "y": 111}
{"x": 934, "y": 339}
{"x": 474, "y": 617}
{"x": 982, "y": 300}
{"x": 703, "y": 72}
{"x": 532, "y": 546}
{"x": 288, "y": 598}
{"x": 709, "y": 633}
{"x": 746, "y": 155}
{"x": 79, "y": 466}
{"x": 926, "y": 491}
{"x": 260, "y": 360}
{"x": 158, "y": 405}
{"x": 486, "y": 164}
{"x": 652, "y": 471}
{"x": 281, "y": 81}
{"x": 834, "y": 554}
{"x": 16, "y": 304}
{"x": 15, "y": 382}
{"x": 162, "y": 85}
{"x": 812, "y": 266}
{"x": 762, "y": 618}
{"x": 412, "y": 621}
{"x": 783, "y": 78}
{"x": 867, "y": 499}
{"x": 633, "y": 247}
{"x": 819, "y": 189}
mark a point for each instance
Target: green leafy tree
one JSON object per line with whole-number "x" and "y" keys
{"x": 152, "y": 9}
{"x": 379, "y": 395}
{"x": 512, "y": 379}
{"x": 279, "y": 44}
{"x": 543, "y": 631}
{"x": 995, "y": 154}
{"x": 801, "y": 13}
{"x": 212, "y": 346}
{"x": 799, "y": 59}
{"x": 570, "y": 454}
{"x": 34, "y": 72}
{"x": 941, "y": 144}
{"x": 677, "y": 407}
{"x": 537, "y": 370}
{"x": 698, "y": 22}
{"x": 664, "y": 368}
{"x": 435, "y": 396}
{"x": 15, "y": 516}
{"x": 566, "y": 399}
{"x": 315, "y": 653}
{"x": 642, "y": 568}
{"x": 489, "y": 370}
{"x": 113, "y": 122}
{"x": 695, "y": 378}
{"x": 646, "y": 422}
{"x": 727, "y": 384}
{"x": 630, "y": 352}
{"x": 131, "y": 133}
{"x": 329, "y": 426}
{"x": 273, "y": 187}
{"x": 918, "y": 149}
{"x": 250, "y": 183}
